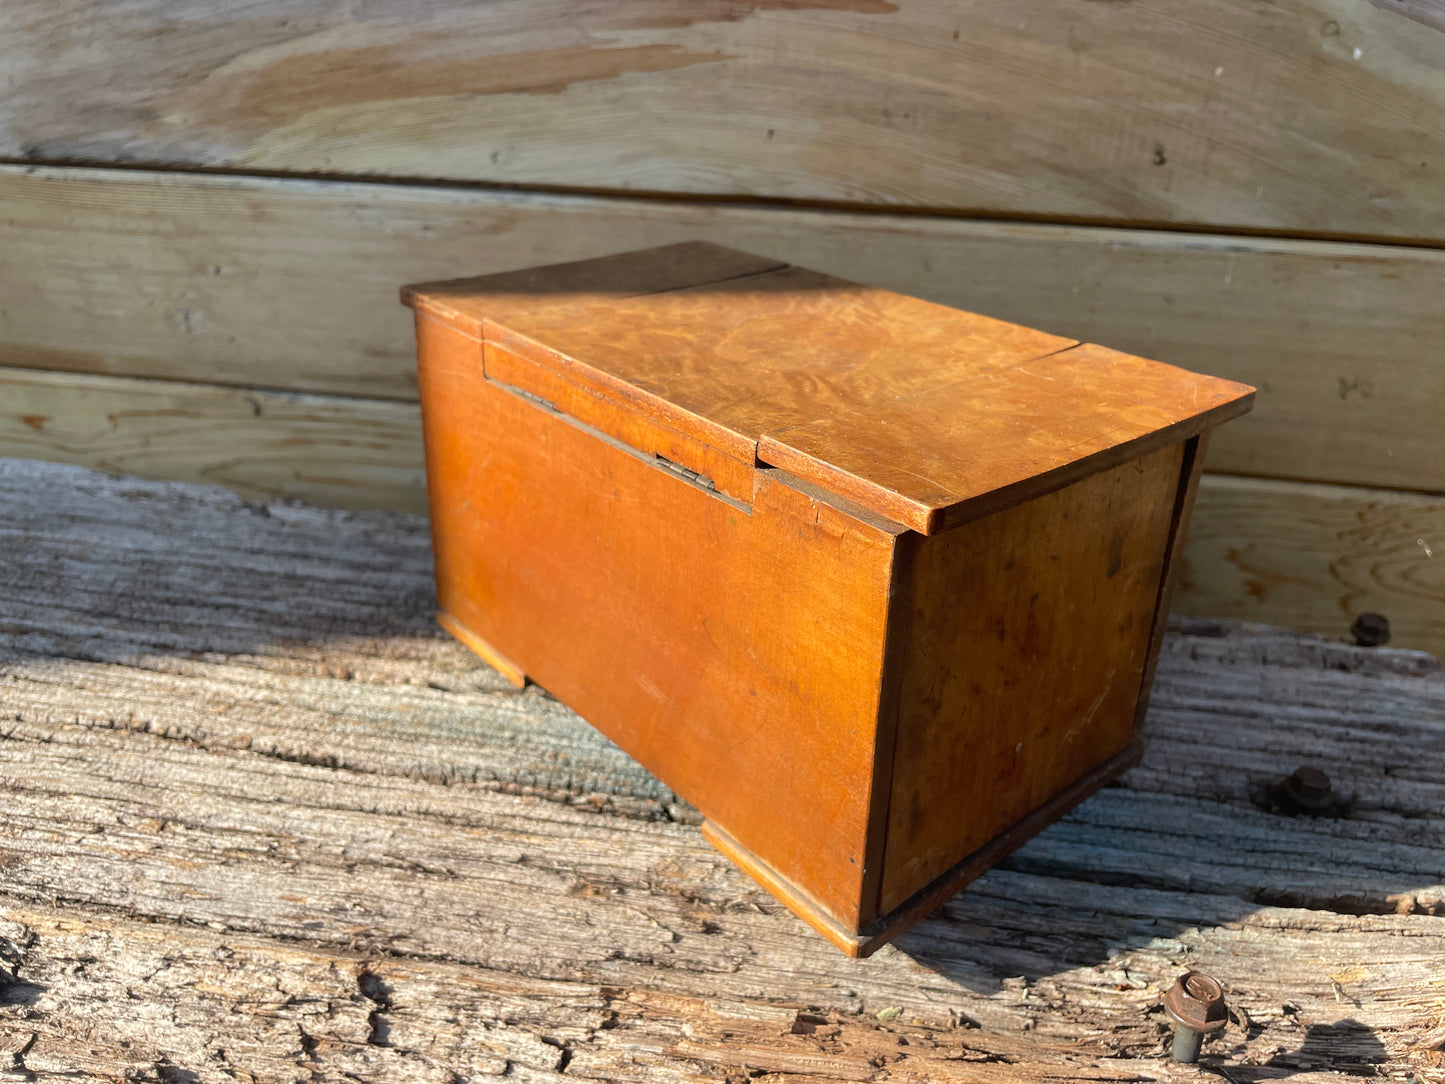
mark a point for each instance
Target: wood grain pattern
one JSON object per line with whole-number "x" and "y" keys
{"x": 759, "y": 648}
{"x": 1316, "y": 556}
{"x": 534, "y": 292}
{"x": 1309, "y": 546}
{"x": 1003, "y": 436}
{"x": 1312, "y": 116}
{"x": 291, "y": 284}
{"x": 352, "y": 453}
{"x": 612, "y": 408}
{"x": 924, "y": 414}
{"x": 1026, "y": 644}
{"x": 728, "y": 361}
{"x": 305, "y": 834}
{"x": 711, "y": 639}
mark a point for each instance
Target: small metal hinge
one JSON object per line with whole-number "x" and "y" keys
{"x": 691, "y": 475}
{"x": 544, "y": 403}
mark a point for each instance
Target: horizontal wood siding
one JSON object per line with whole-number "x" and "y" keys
{"x": 349, "y": 453}
{"x": 1314, "y": 556}
{"x": 292, "y": 284}
{"x": 1313, "y": 116}
{"x": 1308, "y": 556}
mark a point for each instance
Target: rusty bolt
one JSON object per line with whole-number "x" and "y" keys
{"x": 1196, "y": 1005}
{"x": 1371, "y": 630}
{"x": 1309, "y": 790}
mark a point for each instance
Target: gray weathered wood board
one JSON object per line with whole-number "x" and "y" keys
{"x": 1316, "y": 116}
{"x": 1307, "y": 556}
{"x": 291, "y": 284}
{"x": 262, "y": 822}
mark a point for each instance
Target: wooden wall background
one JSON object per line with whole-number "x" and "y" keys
{"x": 207, "y": 206}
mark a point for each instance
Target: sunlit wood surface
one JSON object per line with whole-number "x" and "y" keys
{"x": 262, "y": 821}
{"x": 1306, "y": 116}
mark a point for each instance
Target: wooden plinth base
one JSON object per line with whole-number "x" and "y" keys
{"x": 494, "y": 658}
{"x": 886, "y": 927}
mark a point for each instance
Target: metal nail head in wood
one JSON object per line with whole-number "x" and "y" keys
{"x": 1309, "y": 789}
{"x": 1371, "y": 630}
{"x": 1195, "y": 1003}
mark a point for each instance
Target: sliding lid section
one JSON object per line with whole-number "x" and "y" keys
{"x": 924, "y": 414}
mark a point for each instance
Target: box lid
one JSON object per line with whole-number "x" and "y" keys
{"x": 924, "y": 414}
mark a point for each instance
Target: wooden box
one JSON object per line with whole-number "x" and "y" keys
{"x": 876, "y": 584}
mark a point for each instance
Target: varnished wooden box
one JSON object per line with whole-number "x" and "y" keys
{"x": 876, "y": 584}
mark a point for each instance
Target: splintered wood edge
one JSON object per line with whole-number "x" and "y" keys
{"x": 494, "y": 658}
{"x": 886, "y": 927}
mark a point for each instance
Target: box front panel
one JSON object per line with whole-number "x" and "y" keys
{"x": 1026, "y": 643}
{"x": 736, "y": 652}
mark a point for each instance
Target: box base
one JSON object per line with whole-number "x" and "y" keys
{"x": 886, "y": 927}
{"x": 494, "y": 658}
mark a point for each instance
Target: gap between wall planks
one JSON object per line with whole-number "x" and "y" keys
{"x": 1304, "y": 555}
{"x": 292, "y": 284}
{"x": 1307, "y": 117}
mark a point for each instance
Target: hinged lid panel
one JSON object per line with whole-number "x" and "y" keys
{"x": 922, "y": 413}
{"x": 728, "y": 471}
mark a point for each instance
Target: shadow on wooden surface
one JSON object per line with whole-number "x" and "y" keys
{"x": 262, "y": 818}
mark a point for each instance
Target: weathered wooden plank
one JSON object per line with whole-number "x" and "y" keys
{"x": 1386, "y": 860}
{"x": 1310, "y": 557}
{"x": 1307, "y": 116}
{"x": 355, "y": 453}
{"x": 1313, "y": 557}
{"x": 159, "y": 1000}
{"x": 292, "y": 284}
{"x": 211, "y": 870}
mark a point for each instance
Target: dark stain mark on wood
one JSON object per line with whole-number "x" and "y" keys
{"x": 1363, "y": 387}
{"x": 31, "y": 356}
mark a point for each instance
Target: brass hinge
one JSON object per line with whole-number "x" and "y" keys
{"x": 691, "y": 475}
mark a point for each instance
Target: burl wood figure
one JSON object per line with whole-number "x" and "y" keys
{"x": 876, "y": 584}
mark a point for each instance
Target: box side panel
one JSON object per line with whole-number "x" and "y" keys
{"x": 1190, "y": 471}
{"x": 1028, "y": 639}
{"x": 736, "y": 653}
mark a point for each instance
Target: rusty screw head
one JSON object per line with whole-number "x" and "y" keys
{"x": 1196, "y": 1005}
{"x": 1371, "y": 630}
{"x": 1309, "y": 788}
